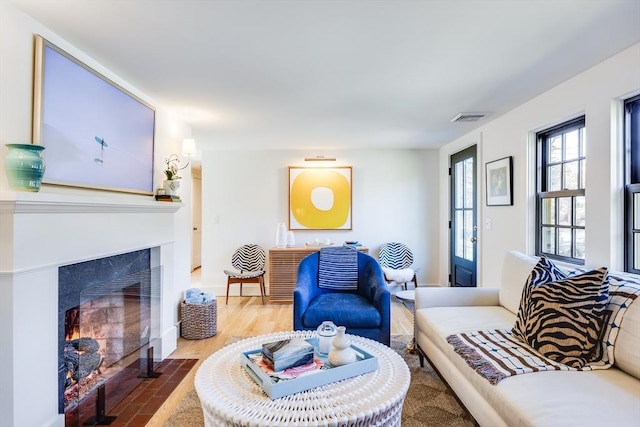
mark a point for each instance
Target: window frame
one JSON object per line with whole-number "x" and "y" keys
{"x": 631, "y": 179}
{"x": 543, "y": 163}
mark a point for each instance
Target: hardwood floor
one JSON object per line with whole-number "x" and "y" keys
{"x": 247, "y": 316}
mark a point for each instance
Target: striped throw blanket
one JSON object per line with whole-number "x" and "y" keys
{"x": 497, "y": 354}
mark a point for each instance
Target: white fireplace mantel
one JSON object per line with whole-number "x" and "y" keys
{"x": 60, "y": 203}
{"x": 45, "y": 230}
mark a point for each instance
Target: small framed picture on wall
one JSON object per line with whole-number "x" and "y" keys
{"x": 499, "y": 180}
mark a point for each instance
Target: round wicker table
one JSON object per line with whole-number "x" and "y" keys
{"x": 229, "y": 396}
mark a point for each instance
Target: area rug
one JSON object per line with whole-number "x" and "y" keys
{"x": 428, "y": 402}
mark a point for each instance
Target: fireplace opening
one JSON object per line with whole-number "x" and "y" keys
{"x": 106, "y": 328}
{"x": 102, "y": 336}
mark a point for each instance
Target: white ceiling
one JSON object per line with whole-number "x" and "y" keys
{"x": 330, "y": 74}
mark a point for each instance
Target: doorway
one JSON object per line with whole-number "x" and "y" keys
{"x": 463, "y": 221}
{"x": 196, "y": 218}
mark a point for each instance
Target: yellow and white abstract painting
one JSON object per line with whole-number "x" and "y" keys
{"x": 320, "y": 198}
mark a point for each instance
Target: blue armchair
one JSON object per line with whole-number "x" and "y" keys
{"x": 364, "y": 311}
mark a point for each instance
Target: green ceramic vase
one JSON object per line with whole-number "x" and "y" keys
{"x": 25, "y": 166}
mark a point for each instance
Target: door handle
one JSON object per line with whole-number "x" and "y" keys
{"x": 474, "y": 239}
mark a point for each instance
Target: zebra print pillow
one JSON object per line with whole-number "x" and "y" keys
{"x": 545, "y": 271}
{"x": 565, "y": 318}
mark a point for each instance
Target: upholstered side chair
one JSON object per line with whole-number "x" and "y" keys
{"x": 249, "y": 261}
{"x": 350, "y": 293}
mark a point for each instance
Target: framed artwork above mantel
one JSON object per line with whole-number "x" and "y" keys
{"x": 96, "y": 134}
{"x": 320, "y": 198}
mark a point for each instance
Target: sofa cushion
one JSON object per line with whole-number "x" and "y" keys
{"x": 627, "y": 339}
{"x": 343, "y": 309}
{"x": 544, "y": 272}
{"x": 627, "y": 349}
{"x": 443, "y": 321}
{"x": 515, "y": 270}
{"x": 565, "y": 318}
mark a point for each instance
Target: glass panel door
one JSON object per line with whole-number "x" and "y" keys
{"x": 463, "y": 218}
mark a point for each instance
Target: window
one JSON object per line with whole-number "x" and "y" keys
{"x": 632, "y": 185}
{"x": 560, "y": 207}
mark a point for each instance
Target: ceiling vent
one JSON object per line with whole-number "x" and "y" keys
{"x": 468, "y": 117}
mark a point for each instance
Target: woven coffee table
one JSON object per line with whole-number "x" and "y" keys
{"x": 230, "y": 397}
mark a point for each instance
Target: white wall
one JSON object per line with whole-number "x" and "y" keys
{"x": 596, "y": 93}
{"x": 40, "y": 231}
{"x": 16, "y": 79}
{"x": 245, "y": 195}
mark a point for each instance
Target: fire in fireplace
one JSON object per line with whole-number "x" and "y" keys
{"x": 82, "y": 357}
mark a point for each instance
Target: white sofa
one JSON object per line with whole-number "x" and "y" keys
{"x": 609, "y": 397}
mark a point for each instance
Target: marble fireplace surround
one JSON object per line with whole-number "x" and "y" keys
{"x": 44, "y": 232}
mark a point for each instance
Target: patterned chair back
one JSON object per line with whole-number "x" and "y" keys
{"x": 249, "y": 257}
{"x": 395, "y": 255}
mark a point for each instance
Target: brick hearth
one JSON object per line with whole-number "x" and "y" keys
{"x": 137, "y": 408}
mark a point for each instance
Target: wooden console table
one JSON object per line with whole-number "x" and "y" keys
{"x": 283, "y": 270}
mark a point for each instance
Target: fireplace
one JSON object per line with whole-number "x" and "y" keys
{"x": 45, "y": 238}
{"x": 108, "y": 319}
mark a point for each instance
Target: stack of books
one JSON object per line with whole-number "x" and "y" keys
{"x": 167, "y": 198}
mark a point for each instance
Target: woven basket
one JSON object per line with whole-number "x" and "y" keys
{"x": 198, "y": 320}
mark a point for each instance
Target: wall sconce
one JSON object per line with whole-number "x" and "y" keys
{"x": 189, "y": 147}
{"x": 319, "y": 159}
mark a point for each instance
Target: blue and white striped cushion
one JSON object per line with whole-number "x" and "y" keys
{"x": 338, "y": 268}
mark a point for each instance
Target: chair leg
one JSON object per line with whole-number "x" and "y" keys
{"x": 415, "y": 280}
{"x": 228, "y": 284}
{"x": 240, "y": 289}
{"x": 262, "y": 290}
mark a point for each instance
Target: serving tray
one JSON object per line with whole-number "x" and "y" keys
{"x": 297, "y": 379}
